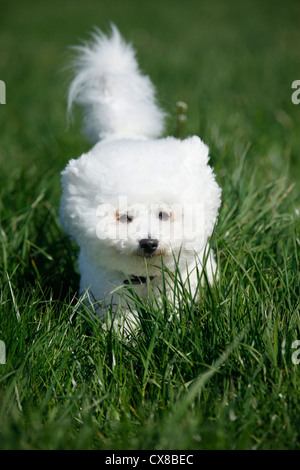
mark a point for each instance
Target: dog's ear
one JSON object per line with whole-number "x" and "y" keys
{"x": 68, "y": 213}
{"x": 200, "y": 183}
{"x": 195, "y": 152}
{"x": 78, "y": 206}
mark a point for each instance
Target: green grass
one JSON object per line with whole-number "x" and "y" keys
{"x": 221, "y": 375}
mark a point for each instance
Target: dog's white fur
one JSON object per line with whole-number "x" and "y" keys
{"x": 158, "y": 180}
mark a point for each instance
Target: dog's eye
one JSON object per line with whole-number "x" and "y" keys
{"x": 163, "y": 216}
{"x": 124, "y": 218}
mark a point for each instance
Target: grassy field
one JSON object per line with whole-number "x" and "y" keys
{"x": 223, "y": 375}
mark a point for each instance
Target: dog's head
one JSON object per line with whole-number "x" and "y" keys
{"x": 127, "y": 202}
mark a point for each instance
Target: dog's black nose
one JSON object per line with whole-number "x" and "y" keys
{"x": 148, "y": 245}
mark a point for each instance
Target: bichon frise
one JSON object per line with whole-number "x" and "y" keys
{"x": 134, "y": 199}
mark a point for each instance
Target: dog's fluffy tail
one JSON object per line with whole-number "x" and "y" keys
{"x": 117, "y": 99}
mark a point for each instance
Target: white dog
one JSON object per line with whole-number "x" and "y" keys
{"x": 133, "y": 199}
